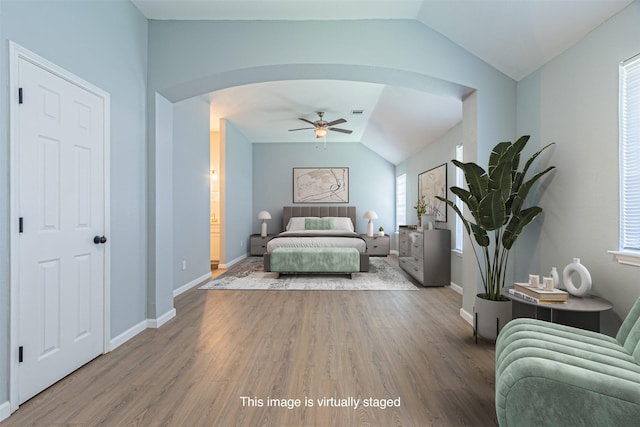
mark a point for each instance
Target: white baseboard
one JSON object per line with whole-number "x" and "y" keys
{"x": 156, "y": 323}
{"x": 184, "y": 288}
{"x": 140, "y": 327}
{"x": 456, "y": 288}
{"x": 466, "y": 316}
{"x": 5, "y": 410}
{"x": 127, "y": 335}
{"x": 232, "y": 262}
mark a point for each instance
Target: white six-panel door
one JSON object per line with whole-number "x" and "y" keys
{"x": 61, "y": 208}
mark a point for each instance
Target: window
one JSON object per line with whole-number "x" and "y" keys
{"x": 459, "y": 183}
{"x": 630, "y": 160}
{"x": 401, "y": 200}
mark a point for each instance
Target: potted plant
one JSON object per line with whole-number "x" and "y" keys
{"x": 496, "y": 200}
{"x": 421, "y": 209}
{"x": 381, "y": 231}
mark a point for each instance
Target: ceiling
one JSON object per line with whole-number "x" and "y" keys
{"x": 524, "y": 35}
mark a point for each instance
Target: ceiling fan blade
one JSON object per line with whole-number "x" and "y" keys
{"x": 308, "y": 121}
{"x": 336, "y": 122}
{"x": 341, "y": 130}
{"x": 300, "y": 129}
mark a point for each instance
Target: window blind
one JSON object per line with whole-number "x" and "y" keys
{"x": 401, "y": 200}
{"x": 630, "y": 155}
{"x": 459, "y": 183}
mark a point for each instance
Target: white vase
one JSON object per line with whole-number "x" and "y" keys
{"x": 585, "y": 278}
{"x": 556, "y": 278}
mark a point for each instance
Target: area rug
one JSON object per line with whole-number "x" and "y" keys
{"x": 249, "y": 274}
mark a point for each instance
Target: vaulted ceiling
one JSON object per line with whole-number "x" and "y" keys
{"x": 514, "y": 36}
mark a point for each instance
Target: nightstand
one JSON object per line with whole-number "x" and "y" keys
{"x": 377, "y": 245}
{"x": 259, "y": 244}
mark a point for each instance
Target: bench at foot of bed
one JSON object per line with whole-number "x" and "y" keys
{"x": 315, "y": 260}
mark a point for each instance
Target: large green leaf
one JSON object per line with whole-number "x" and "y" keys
{"x": 520, "y": 178}
{"x": 476, "y": 177}
{"x": 513, "y": 154}
{"x": 517, "y": 224}
{"x": 480, "y": 235}
{"x": 523, "y": 191}
{"x": 466, "y": 197}
{"x": 457, "y": 211}
{"x": 491, "y": 211}
{"x": 500, "y": 179}
{"x": 516, "y": 205}
{"x": 496, "y": 155}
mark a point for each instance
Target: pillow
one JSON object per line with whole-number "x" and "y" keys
{"x": 343, "y": 223}
{"x": 318, "y": 224}
{"x": 296, "y": 223}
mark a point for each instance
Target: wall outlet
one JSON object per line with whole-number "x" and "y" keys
{"x": 184, "y": 264}
{"x": 241, "y": 243}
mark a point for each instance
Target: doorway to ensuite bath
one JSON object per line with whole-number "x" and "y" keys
{"x": 214, "y": 194}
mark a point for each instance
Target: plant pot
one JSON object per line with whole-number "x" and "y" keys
{"x": 490, "y": 316}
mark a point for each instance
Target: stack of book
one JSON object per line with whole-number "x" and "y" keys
{"x": 537, "y": 295}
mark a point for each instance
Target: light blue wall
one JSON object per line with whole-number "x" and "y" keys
{"x": 237, "y": 178}
{"x": 371, "y": 180}
{"x": 190, "y": 190}
{"x": 573, "y": 100}
{"x": 104, "y": 43}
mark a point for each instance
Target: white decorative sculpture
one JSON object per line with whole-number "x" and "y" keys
{"x": 585, "y": 278}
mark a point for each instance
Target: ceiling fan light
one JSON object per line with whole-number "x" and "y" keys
{"x": 320, "y": 132}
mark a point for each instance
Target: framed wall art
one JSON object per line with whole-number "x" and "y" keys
{"x": 320, "y": 185}
{"x": 433, "y": 183}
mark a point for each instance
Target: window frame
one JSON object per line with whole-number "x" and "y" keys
{"x": 459, "y": 237}
{"x": 401, "y": 205}
{"x": 629, "y": 162}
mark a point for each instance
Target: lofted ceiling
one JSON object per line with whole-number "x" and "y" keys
{"x": 514, "y": 36}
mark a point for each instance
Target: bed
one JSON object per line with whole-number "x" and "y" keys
{"x": 317, "y": 239}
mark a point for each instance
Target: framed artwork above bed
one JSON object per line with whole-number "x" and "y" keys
{"x": 433, "y": 183}
{"x": 320, "y": 185}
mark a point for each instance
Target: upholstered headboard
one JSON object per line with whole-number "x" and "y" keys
{"x": 319, "y": 211}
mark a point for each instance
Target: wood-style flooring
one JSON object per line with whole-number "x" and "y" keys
{"x": 224, "y": 347}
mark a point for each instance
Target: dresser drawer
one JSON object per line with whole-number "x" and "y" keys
{"x": 413, "y": 267}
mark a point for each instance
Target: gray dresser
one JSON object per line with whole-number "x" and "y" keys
{"x": 426, "y": 255}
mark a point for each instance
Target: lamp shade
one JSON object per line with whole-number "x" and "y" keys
{"x": 264, "y": 215}
{"x": 370, "y": 215}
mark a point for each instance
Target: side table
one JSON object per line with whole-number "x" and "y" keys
{"x": 377, "y": 245}
{"x": 581, "y": 313}
{"x": 258, "y": 244}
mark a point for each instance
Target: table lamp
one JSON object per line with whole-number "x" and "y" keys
{"x": 264, "y": 215}
{"x": 370, "y": 215}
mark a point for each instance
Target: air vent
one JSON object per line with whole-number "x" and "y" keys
{"x": 356, "y": 112}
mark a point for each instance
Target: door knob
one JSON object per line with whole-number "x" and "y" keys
{"x": 99, "y": 239}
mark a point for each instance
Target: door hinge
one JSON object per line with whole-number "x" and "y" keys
{"x": 21, "y": 225}
{"x": 20, "y": 95}
{"x": 20, "y": 354}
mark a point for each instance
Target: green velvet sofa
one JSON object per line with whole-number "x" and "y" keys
{"x": 555, "y": 375}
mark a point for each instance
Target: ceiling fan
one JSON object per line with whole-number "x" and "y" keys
{"x": 321, "y": 127}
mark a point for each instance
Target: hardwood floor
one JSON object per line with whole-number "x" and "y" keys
{"x": 226, "y": 345}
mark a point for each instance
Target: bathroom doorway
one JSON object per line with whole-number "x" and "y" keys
{"x": 215, "y": 199}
